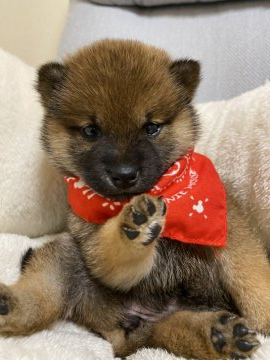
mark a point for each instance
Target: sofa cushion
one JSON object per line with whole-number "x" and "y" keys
{"x": 236, "y": 135}
{"x": 32, "y": 195}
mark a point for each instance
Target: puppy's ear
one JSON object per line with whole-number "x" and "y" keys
{"x": 51, "y": 78}
{"x": 187, "y": 74}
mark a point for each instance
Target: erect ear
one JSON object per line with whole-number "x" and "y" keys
{"x": 187, "y": 74}
{"x": 51, "y": 77}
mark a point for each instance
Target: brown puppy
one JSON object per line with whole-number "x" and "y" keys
{"x": 118, "y": 114}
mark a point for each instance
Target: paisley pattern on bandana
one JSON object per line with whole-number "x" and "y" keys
{"x": 192, "y": 191}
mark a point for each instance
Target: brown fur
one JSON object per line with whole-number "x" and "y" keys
{"x": 146, "y": 291}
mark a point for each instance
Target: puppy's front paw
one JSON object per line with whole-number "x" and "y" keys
{"x": 230, "y": 336}
{"x": 143, "y": 219}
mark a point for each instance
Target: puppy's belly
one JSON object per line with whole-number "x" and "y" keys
{"x": 152, "y": 314}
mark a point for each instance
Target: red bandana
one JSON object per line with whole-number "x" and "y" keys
{"x": 192, "y": 191}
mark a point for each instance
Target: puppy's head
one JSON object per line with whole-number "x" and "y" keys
{"x": 118, "y": 114}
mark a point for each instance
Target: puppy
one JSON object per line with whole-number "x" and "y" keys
{"x": 118, "y": 116}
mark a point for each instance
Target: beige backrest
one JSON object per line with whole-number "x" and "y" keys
{"x": 31, "y": 29}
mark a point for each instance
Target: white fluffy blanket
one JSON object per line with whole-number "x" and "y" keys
{"x": 32, "y": 200}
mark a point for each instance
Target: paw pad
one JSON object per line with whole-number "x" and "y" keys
{"x": 151, "y": 207}
{"x": 4, "y": 309}
{"x": 130, "y": 233}
{"x": 139, "y": 218}
{"x": 164, "y": 208}
{"x": 245, "y": 345}
{"x": 154, "y": 232}
{"x": 241, "y": 330}
{"x": 218, "y": 340}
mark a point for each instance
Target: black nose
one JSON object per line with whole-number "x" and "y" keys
{"x": 124, "y": 176}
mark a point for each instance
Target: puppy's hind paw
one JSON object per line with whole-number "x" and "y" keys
{"x": 7, "y": 305}
{"x": 7, "y": 300}
{"x": 231, "y": 336}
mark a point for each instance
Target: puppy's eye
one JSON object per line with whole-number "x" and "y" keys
{"x": 91, "y": 131}
{"x": 152, "y": 129}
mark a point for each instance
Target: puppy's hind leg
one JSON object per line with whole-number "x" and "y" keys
{"x": 36, "y": 300}
{"x": 246, "y": 274}
{"x": 202, "y": 335}
{"x": 205, "y": 335}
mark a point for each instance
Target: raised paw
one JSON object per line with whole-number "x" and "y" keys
{"x": 142, "y": 220}
{"x": 230, "y": 336}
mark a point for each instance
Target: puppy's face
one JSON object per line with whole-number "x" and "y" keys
{"x": 118, "y": 114}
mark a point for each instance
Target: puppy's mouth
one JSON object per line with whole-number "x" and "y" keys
{"x": 120, "y": 194}
{"x": 125, "y": 196}
{"x": 107, "y": 189}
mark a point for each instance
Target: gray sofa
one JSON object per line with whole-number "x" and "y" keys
{"x": 230, "y": 38}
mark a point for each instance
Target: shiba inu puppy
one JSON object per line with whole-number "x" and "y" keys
{"x": 118, "y": 124}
